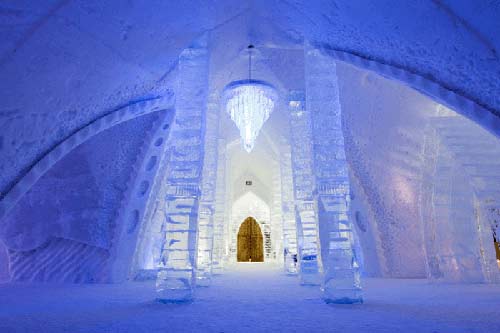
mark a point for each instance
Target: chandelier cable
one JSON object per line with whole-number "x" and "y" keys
{"x": 250, "y": 47}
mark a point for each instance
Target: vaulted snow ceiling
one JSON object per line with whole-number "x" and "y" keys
{"x": 66, "y": 63}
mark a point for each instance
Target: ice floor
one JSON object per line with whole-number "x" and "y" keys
{"x": 251, "y": 298}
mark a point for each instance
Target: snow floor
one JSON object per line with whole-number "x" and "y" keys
{"x": 251, "y": 297}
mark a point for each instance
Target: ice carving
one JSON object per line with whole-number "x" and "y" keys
{"x": 303, "y": 178}
{"x": 332, "y": 191}
{"x": 219, "y": 214}
{"x": 208, "y": 189}
{"x": 288, "y": 212}
{"x": 176, "y": 277}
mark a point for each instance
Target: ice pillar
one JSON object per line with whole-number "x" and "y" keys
{"x": 220, "y": 204}
{"x": 288, "y": 211}
{"x": 303, "y": 179}
{"x": 207, "y": 202}
{"x": 273, "y": 232}
{"x": 175, "y": 280}
{"x": 341, "y": 272}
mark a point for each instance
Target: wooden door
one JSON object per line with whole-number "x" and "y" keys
{"x": 250, "y": 241}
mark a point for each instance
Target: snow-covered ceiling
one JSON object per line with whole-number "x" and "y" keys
{"x": 65, "y": 63}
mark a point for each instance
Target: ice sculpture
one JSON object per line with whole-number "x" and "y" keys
{"x": 303, "y": 178}
{"x": 249, "y": 103}
{"x": 207, "y": 202}
{"x": 288, "y": 211}
{"x": 219, "y": 220}
{"x": 274, "y": 237}
{"x": 175, "y": 280}
{"x": 341, "y": 272}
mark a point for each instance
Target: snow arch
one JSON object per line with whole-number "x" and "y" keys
{"x": 438, "y": 91}
{"x": 453, "y": 56}
{"x": 51, "y": 157}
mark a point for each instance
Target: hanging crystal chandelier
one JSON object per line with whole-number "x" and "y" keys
{"x": 249, "y": 103}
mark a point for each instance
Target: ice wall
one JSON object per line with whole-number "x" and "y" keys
{"x": 424, "y": 182}
{"x": 63, "y": 227}
{"x": 383, "y": 126}
{"x": 461, "y": 177}
{"x": 369, "y": 247}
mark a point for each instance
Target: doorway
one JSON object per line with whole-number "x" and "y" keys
{"x": 250, "y": 242}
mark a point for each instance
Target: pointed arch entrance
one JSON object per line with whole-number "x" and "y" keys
{"x": 250, "y": 241}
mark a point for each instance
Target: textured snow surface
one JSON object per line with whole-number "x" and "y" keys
{"x": 389, "y": 173}
{"x": 66, "y": 221}
{"x": 95, "y": 57}
{"x": 250, "y": 298}
{"x": 64, "y": 63}
{"x": 4, "y": 263}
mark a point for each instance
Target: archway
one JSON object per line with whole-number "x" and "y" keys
{"x": 250, "y": 241}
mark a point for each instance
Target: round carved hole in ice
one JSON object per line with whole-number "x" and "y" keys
{"x": 151, "y": 163}
{"x": 134, "y": 220}
{"x": 143, "y": 188}
{"x": 158, "y": 142}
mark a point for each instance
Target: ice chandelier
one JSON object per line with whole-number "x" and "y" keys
{"x": 249, "y": 103}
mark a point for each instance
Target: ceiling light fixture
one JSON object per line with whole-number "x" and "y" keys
{"x": 249, "y": 103}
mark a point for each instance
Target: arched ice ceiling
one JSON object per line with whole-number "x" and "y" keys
{"x": 64, "y": 63}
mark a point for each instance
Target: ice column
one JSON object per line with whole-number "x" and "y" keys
{"x": 341, "y": 272}
{"x": 218, "y": 245}
{"x": 273, "y": 246}
{"x": 288, "y": 211}
{"x": 207, "y": 202}
{"x": 303, "y": 179}
{"x": 175, "y": 280}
